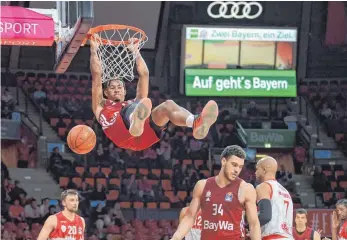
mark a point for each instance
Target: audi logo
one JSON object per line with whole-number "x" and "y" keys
{"x": 237, "y": 10}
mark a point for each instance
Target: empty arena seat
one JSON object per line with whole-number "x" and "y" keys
{"x": 63, "y": 182}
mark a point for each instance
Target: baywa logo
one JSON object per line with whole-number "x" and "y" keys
{"x": 271, "y": 137}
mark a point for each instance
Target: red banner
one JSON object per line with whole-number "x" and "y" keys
{"x": 21, "y": 26}
{"x": 320, "y": 219}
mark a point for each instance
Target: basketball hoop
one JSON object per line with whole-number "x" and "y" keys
{"x": 116, "y": 49}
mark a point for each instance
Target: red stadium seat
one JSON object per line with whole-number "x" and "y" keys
{"x": 198, "y": 163}
{"x": 90, "y": 181}
{"x": 63, "y": 182}
{"x": 54, "y": 121}
{"x": 106, "y": 171}
{"x": 166, "y": 185}
{"x": 182, "y": 195}
{"x": 156, "y": 172}
{"x": 143, "y": 171}
{"x": 112, "y": 195}
{"x": 168, "y": 172}
{"x": 62, "y": 132}
{"x": 125, "y": 205}
{"x": 206, "y": 173}
{"x": 164, "y": 205}
{"x": 101, "y": 181}
{"x": 327, "y": 196}
{"x": 80, "y": 170}
{"x": 138, "y": 205}
{"x": 152, "y": 205}
{"x": 77, "y": 181}
{"x": 115, "y": 181}
{"x": 131, "y": 170}
{"x": 187, "y": 162}
{"x": 93, "y": 170}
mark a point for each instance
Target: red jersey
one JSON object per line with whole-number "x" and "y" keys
{"x": 222, "y": 213}
{"x": 112, "y": 123}
{"x": 66, "y": 229}
{"x": 306, "y": 235}
{"x": 342, "y": 235}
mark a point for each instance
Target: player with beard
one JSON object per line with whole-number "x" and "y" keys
{"x": 274, "y": 202}
{"x": 302, "y": 231}
{"x": 224, "y": 200}
{"x": 65, "y": 224}
{"x": 339, "y": 223}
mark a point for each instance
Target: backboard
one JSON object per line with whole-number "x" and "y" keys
{"x": 75, "y": 19}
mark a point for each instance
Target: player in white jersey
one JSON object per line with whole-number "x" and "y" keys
{"x": 274, "y": 202}
{"x": 195, "y": 231}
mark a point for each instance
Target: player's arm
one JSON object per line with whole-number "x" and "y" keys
{"x": 182, "y": 214}
{"x": 96, "y": 71}
{"x": 190, "y": 215}
{"x": 264, "y": 203}
{"x": 251, "y": 212}
{"x": 47, "y": 228}
{"x": 141, "y": 67}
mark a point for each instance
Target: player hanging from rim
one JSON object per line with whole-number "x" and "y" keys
{"x": 132, "y": 124}
{"x": 274, "y": 202}
{"x": 195, "y": 231}
{"x": 339, "y": 223}
{"x": 302, "y": 231}
{"x": 224, "y": 200}
{"x": 65, "y": 224}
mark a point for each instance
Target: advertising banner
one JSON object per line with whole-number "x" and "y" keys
{"x": 240, "y": 83}
{"x": 21, "y": 26}
{"x": 268, "y": 138}
{"x": 10, "y": 130}
{"x": 320, "y": 219}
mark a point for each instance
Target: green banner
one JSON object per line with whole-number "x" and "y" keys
{"x": 268, "y": 138}
{"x": 240, "y": 83}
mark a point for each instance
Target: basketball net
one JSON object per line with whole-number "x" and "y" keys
{"x": 117, "y": 50}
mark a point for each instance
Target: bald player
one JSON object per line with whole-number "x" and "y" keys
{"x": 274, "y": 202}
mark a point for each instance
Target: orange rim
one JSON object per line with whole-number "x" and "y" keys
{"x": 101, "y": 28}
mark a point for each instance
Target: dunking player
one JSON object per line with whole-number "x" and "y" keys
{"x": 65, "y": 224}
{"x": 274, "y": 202}
{"x": 339, "y": 223}
{"x": 223, "y": 201}
{"x": 302, "y": 231}
{"x": 132, "y": 124}
{"x": 195, "y": 231}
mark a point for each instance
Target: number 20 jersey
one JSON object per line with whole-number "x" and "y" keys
{"x": 221, "y": 211}
{"x": 66, "y": 229}
{"x": 281, "y": 223}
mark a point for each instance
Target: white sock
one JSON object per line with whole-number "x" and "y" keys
{"x": 190, "y": 120}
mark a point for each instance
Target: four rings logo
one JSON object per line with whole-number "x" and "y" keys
{"x": 237, "y": 10}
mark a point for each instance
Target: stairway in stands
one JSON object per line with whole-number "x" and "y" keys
{"x": 47, "y": 131}
{"x": 36, "y": 182}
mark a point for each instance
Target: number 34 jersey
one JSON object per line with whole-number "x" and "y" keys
{"x": 222, "y": 213}
{"x": 66, "y": 229}
{"x": 281, "y": 223}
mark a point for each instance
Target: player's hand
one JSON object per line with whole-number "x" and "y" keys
{"x": 319, "y": 231}
{"x": 336, "y": 221}
{"x": 95, "y": 65}
{"x": 133, "y": 45}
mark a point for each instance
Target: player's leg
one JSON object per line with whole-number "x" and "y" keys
{"x": 135, "y": 116}
{"x": 170, "y": 111}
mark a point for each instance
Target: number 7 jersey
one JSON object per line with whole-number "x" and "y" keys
{"x": 281, "y": 223}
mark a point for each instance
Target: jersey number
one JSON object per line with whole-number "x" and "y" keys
{"x": 286, "y": 203}
{"x": 72, "y": 230}
{"x": 217, "y": 209}
{"x": 198, "y": 221}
